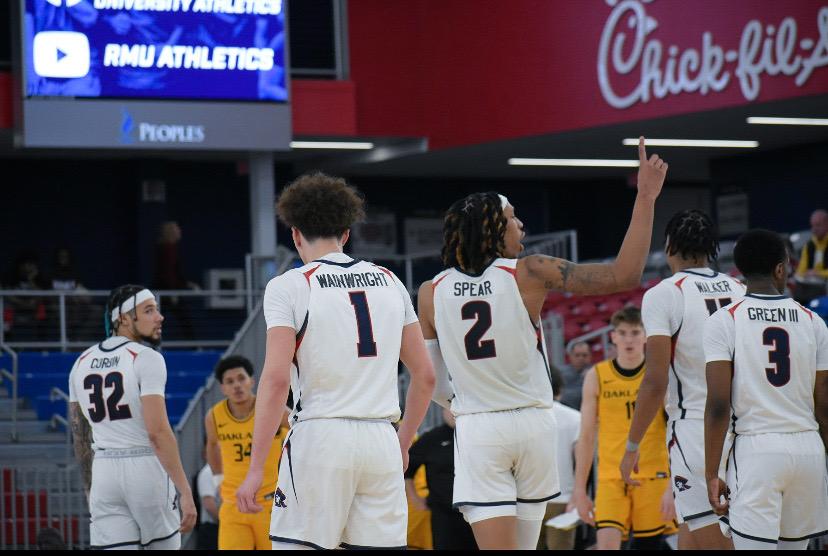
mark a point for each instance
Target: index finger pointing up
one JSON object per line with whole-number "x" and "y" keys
{"x": 642, "y": 151}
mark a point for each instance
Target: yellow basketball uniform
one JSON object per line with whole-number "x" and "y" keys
{"x": 419, "y": 521}
{"x": 628, "y": 508}
{"x": 238, "y": 531}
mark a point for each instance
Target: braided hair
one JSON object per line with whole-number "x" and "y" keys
{"x": 473, "y": 232}
{"x": 691, "y": 233}
{"x": 116, "y": 299}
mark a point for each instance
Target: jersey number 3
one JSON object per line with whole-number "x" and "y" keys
{"x": 780, "y": 355}
{"x": 99, "y": 409}
{"x": 476, "y": 348}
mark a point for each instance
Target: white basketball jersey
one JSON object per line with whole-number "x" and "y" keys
{"x": 108, "y": 380}
{"x": 494, "y": 353}
{"x": 678, "y": 307}
{"x": 349, "y": 317}
{"x": 776, "y": 347}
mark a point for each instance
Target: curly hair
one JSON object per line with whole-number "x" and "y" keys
{"x": 473, "y": 232}
{"x": 691, "y": 233}
{"x": 319, "y": 205}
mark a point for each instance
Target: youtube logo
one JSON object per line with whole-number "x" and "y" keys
{"x": 63, "y": 54}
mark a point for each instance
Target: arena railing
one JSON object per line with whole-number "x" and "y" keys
{"x": 40, "y": 495}
{"x": 12, "y": 377}
{"x": 71, "y": 320}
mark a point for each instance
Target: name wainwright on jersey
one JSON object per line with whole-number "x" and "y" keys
{"x": 353, "y": 280}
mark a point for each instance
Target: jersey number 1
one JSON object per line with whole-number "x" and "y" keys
{"x": 99, "y": 409}
{"x": 366, "y": 346}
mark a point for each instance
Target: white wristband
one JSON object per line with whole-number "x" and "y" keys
{"x": 631, "y": 446}
{"x": 217, "y": 480}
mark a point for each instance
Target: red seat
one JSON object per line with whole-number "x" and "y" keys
{"x": 19, "y": 531}
{"x": 26, "y": 504}
{"x": 586, "y": 309}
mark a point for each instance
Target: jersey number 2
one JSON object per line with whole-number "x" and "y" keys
{"x": 475, "y": 347}
{"x": 780, "y": 355}
{"x": 99, "y": 409}
{"x": 366, "y": 346}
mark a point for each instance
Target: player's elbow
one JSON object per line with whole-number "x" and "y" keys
{"x": 628, "y": 279}
{"x": 716, "y": 410}
{"x": 425, "y": 377}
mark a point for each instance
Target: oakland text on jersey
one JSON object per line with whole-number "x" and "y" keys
{"x": 353, "y": 280}
{"x": 619, "y": 394}
{"x": 104, "y": 362}
{"x": 235, "y": 436}
{"x": 472, "y": 289}
{"x": 705, "y": 286}
{"x": 773, "y": 314}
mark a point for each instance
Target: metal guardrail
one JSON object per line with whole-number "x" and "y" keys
{"x": 56, "y": 394}
{"x": 64, "y": 320}
{"x": 603, "y": 333}
{"x": 12, "y": 376}
{"x": 39, "y": 496}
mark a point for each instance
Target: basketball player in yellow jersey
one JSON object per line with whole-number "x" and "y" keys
{"x": 229, "y": 427}
{"x": 610, "y": 388}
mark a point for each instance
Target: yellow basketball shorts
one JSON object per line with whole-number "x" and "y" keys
{"x": 635, "y": 509}
{"x": 238, "y": 531}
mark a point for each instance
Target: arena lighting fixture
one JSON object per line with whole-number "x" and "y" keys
{"x": 786, "y": 121}
{"x": 584, "y": 162}
{"x": 717, "y": 143}
{"x": 347, "y": 145}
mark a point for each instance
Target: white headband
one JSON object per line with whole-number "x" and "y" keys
{"x": 131, "y": 303}
{"x": 503, "y": 201}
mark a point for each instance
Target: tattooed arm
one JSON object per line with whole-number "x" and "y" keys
{"x": 625, "y": 272}
{"x": 82, "y": 438}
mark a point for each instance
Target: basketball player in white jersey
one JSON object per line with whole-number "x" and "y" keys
{"x": 674, "y": 312}
{"x": 345, "y": 324}
{"x": 767, "y": 362}
{"x": 123, "y": 441}
{"x": 485, "y": 312}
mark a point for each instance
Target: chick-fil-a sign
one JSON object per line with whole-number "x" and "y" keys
{"x": 765, "y": 48}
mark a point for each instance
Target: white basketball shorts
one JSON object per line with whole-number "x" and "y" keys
{"x": 778, "y": 487}
{"x": 132, "y": 500}
{"x": 341, "y": 485}
{"x": 505, "y": 463}
{"x": 685, "y": 445}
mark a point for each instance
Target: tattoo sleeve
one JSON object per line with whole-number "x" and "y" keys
{"x": 586, "y": 279}
{"x": 82, "y": 439}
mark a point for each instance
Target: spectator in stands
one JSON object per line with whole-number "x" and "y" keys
{"x": 208, "y": 496}
{"x": 812, "y": 272}
{"x": 580, "y": 359}
{"x": 169, "y": 275}
{"x": 82, "y": 316}
{"x": 435, "y": 450}
{"x": 569, "y": 427}
{"x": 50, "y": 539}
{"x": 814, "y": 258}
{"x": 27, "y": 314}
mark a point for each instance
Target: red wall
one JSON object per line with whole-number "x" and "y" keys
{"x": 461, "y": 72}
